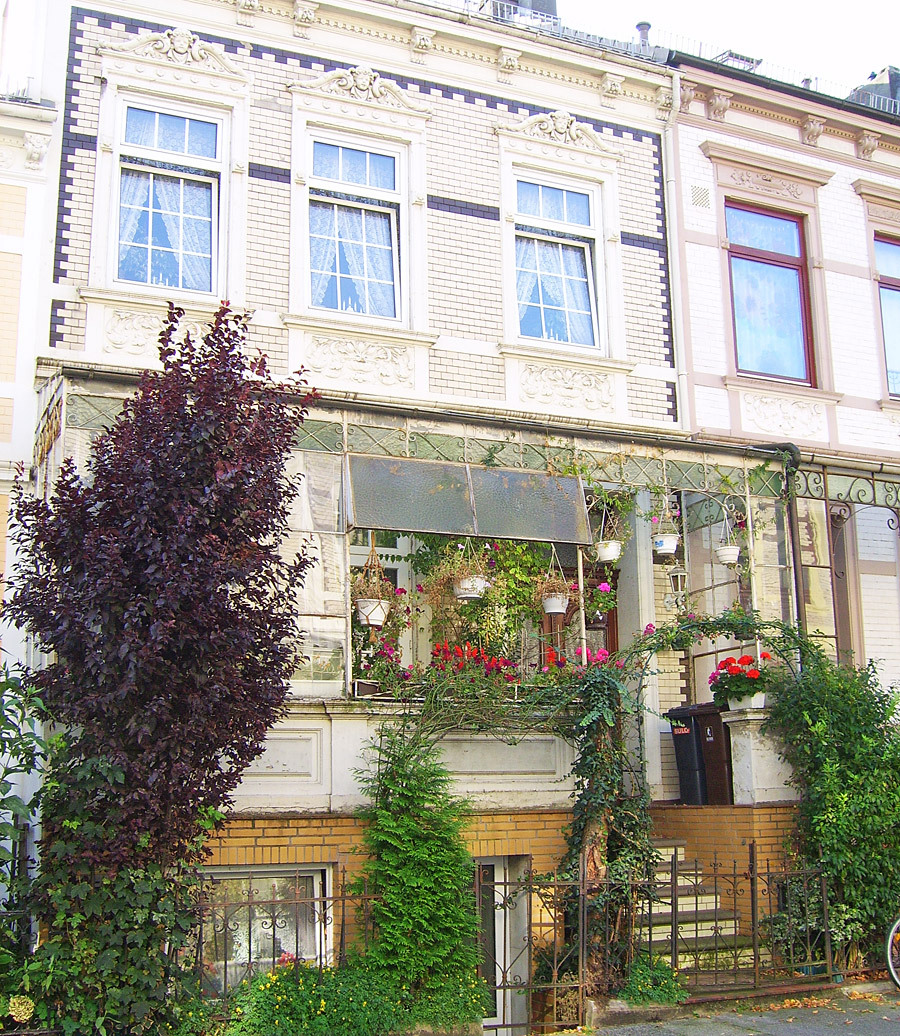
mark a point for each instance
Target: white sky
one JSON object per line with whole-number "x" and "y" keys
{"x": 838, "y": 43}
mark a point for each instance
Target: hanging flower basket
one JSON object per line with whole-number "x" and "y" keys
{"x": 371, "y": 592}
{"x": 555, "y": 604}
{"x": 608, "y": 551}
{"x": 666, "y": 543}
{"x": 372, "y": 611}
{"x": 728, "y": 554}
{"x": 470, "y": 588}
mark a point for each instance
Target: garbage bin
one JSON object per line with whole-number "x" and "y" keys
{"x": 688, "y": 755}
{"x": 715, "y": 743}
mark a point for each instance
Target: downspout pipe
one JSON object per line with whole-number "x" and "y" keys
{"x": 790, "y": 455}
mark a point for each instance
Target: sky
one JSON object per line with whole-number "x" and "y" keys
{"x": 836, "y": 43}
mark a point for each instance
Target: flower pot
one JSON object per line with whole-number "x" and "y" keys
{"x": 752, "y": 701}
{"x": 555, "y": 604}
{"x": 666, "y": 542}
{"x": 372, "y": 611}
{"x": 470, "y": 588}
{"x": 608, "y": 550}
{"x": 728, "y": 554}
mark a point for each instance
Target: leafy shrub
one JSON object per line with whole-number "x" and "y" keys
{"x": 354, "y": 999}
{"x": 652, "y": 981}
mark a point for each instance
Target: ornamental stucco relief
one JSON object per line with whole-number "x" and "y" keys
{"x": 790, "y": 417}
{"x": 359, "y": 361}
{"x": 559, "y": 127}
{"x": 566, "y": 387}
{"x": 361, "y": 83}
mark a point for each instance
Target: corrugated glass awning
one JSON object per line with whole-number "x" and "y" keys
{"x": 409, "y": 495}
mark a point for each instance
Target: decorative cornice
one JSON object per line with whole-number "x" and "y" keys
{"x": 717, "y": 104}
{"x": 245, "y": 11}
{"x": 507, "y": 63}
{"x": 811, "y": 176}
{"x": 329, "y": 328}
{"x": 866, "y": 143}
{"x": 877, "y": 193}
{"x": 176, "y": 47}
{"x": 303, "y": 16}
{"x": 421, "y": 42}
{"x": 688, "y": 93}
{"x": 362, "y": 84}
{"x": 811, "y": 129}
{"x": 559, "y": 127}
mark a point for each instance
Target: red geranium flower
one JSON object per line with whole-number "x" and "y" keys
{"x": 752, "y": 674}
{"x": 745, "y": 660}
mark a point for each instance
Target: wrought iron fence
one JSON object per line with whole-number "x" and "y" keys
{"x": 548, "y": 945}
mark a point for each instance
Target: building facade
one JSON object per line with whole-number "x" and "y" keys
{"x": 500, "y": 251}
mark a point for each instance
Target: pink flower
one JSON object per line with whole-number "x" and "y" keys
{"x": 419, "y": 588}
{"x": 648, "y": 629}
{"x": 654, "y": 520}
{"x": 604, "y": 588}
{"x": 399, "y": 591}
{"x": 619, "y": 664}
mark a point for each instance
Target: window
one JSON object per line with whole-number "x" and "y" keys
{"x": 769, "y": 293}
{"x": 168, "y": 198}
{"x": 353, "y": 250}
{"x": 887, "y": 261}
{"x": 251, "y": 921}
{"x": 554, "y": 275}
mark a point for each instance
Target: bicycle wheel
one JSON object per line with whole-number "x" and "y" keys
{"x": 893, "y": 952}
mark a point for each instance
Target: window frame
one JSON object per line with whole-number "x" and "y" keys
{"x": 588, "y": 238}
{"x": 887, "y": 282}
{"x": 185, "y": 167}
{"x": 783, "y": 261}
{"x": 394, "y": 203}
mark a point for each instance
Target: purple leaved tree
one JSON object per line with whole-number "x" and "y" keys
{"x": 157, "y": 586}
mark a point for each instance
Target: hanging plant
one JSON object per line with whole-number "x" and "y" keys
{"x": 664, "y": 517}
{"x": 611, "y": 528}
{"x": 553, "y": 591}
{"x": 372, "y": 592}
{"x": 728, "y": 549}
{"x": 462, "y": 572}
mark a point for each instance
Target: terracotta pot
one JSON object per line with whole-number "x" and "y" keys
{"x": 372, "y": 611}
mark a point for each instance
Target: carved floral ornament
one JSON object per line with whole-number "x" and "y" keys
{"x": 797, "y": 418}
{"x": 359, "y": 361}
{"x": 137, "y": 334}
{"x": 361, "y": 83}
{"x": 176, "y": 47}
{"x": 560, "y": 127}
{"x": 566, "y": 387}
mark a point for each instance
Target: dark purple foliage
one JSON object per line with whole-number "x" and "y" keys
{"x": 157, "y": 586}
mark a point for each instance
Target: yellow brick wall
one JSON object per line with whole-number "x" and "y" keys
{"x": 12, "y": 210}
{"x": 727, "y": 831}
{"x": 311, "y": 840}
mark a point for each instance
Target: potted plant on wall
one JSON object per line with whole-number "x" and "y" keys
{"x": 372, "y": 592}
{"x": 740, "y": 682}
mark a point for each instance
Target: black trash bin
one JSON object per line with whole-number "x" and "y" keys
{"x": 715, "y": 743}
{"x": 688, "y": 755}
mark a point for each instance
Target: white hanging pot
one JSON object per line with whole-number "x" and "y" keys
{"x": 555, "y": 604}
{"x": 666, "y": 542}
{"x": 608, "y": 550}
{"x": 728, "y": 553}
{"x": 372, "y": 611}
{"x": 470, "y": 588}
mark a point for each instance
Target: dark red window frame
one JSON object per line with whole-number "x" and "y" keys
{"x": 799, "y": 263}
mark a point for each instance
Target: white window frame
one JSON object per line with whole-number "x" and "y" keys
{"x": 219, "y": 93}
{"x": 543, "y": 228}
{"x": 583, "y": 171}
{"x": 343, "y": 193}
{"x": 185, "y": 167}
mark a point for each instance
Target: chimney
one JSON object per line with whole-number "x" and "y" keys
{"x": 643, "y": 29}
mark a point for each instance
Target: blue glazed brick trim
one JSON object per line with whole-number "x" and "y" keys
{"x": 655, "y": 244}
{"x": 463, "y": 208}
{"x": 269, "y": 172}
{"x": 57, "y": 321}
